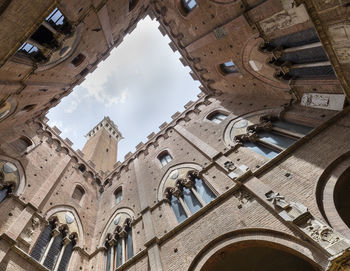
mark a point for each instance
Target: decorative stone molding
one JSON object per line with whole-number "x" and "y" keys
{"x": 290, "y": 16}
{"x": 314, "y": 229}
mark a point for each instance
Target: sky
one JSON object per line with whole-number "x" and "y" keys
{"x": 139, "y": 86}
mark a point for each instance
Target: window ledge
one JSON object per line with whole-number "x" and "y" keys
{"x": 29, "y": 258}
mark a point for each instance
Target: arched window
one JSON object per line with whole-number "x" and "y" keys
{"x": 188, "y": 5}
{"x": 132, "y": 4}
{"x": 119, "y": 243}
{"x": 78, "y": 60}
{"x": 21, "y": 144}
{"x": 271, "y": 136}
{"x": 9, "y": 179}
{"x": 217, "y": 117}
{"x": 188, "y": 196}
{"x": 82, "y": 168}
{"x": 118, "y": 195}
{"x": 55, "y": 245}
{"x": 5, "y": 109}
{"x": 228, "y": 67}
{"x": 164, "y": 158}
{"x": 78, "y": 193}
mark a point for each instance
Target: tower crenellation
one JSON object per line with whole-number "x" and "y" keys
{"x": 101, "y": 146}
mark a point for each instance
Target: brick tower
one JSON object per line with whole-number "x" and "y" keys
{"x": 102, "y": 144}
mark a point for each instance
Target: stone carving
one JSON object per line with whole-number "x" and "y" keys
{"x": 186, "y": 183}
{"x": 248, "y": 137}
{"x": 284, "y": 19}
{"x": 29, "y": 231}
{"x": 323, "y": 100}
{"x": 8, "y": 175}
{"x": 243, "y": 197}
{"x": 220, "y": 33}
{"x": 320, "y": 232}
{"x": 316, "y": 230}
{"x": 315, "y": 100}
{"x": 340, "y": 35}
{"x": 229, "y": 165}
{"x": 262, "y": 126}
{"x": 343, "y": 54}
{"x": 326, "y": 4}
{"x": 277, "y": 199}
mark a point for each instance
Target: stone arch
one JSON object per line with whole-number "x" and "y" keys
{"x": 77, "y": 226}
{"x": 326, "y": 193}
{"x": 21, "y": 184}
{"x": 250, "y": 117}
{"x": 163, "y": 183}
{"x": 239, "y": 239}
{"x": 125, "y": 214}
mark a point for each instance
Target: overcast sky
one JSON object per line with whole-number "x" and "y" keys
{"x": 139, "y": 86}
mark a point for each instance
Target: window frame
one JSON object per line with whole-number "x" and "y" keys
{"x": 115, "y": 193}
{"x": 211, "y": 116}
{"x": 166, "y": 154}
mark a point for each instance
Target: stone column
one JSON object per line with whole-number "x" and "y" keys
{"x": 153, "y": 249}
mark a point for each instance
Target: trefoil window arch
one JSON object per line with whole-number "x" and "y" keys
{"x": 188, "y": 195}
{"x": 271, "y": 136}
{"x": 9, "y": 179}
{"x": 54, "y": 247}
{"x": 119, "y": 242}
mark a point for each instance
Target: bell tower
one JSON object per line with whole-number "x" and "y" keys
{"x": 101, "y": 146}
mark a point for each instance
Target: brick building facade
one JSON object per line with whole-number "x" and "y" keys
{"x": 252, "y": 174}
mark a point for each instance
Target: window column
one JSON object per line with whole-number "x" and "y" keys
{"x": 55, "y": 233}
{"x": 65, "y": 242}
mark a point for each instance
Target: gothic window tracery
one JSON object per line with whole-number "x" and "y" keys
{"x": 9, "y": 179}
{"x": 54, "y": 247}
{"x": 187, "y": 193}
{"x": 269, "y": 136}
{"x": 119, "y": 242}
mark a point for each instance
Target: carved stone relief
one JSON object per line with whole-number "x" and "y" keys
{"x": 29, "y": 231}
{"x": 323, "y": 100}
{"x": 340, "y": 36}
{"x": 243, "y": 197}
{"x": 292, "y": 15}
{"x": 326, "y": 4}
{"x": 316, "y": 230}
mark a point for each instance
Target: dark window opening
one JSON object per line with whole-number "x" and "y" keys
{"x": 84, "y": 72}
{"x": 132, "y": 4}
{"x": 28, "y": 107}
{"x": 82, "y": 168}
{"x": 32, "y": 51}
{"x": 189, "y": 5}
{"x": 78, "y": 193}
{"x": 78, "y": 60}
{"x": 44, "y": 37}
{"x": 57, "y": 20}
{"x": 228, "y": 67}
